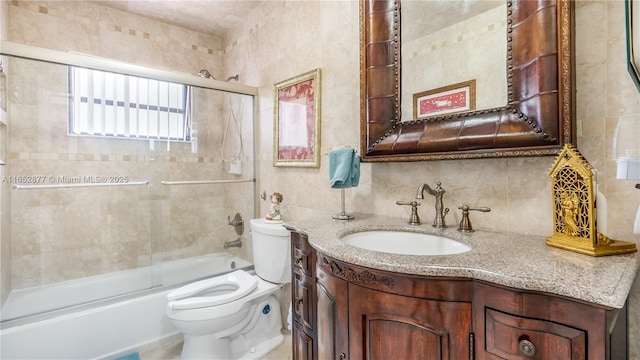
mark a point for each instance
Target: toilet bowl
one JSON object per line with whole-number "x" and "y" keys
{"x": 236, "y": 315}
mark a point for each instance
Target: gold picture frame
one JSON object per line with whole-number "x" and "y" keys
{"x": 450, "y": 99}
{"x": 296, "y": 129}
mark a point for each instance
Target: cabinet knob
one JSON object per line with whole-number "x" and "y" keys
{"x": 527, "y": 348}
{"x": 342, "y": 356}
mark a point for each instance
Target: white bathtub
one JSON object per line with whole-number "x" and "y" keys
{"x": 104, "y": 329}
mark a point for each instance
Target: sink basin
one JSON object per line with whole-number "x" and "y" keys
{"x": 406, "y": 243}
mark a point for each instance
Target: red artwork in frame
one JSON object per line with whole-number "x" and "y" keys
{"x": 445, "y": 100}
{"x": 297, "y": 121}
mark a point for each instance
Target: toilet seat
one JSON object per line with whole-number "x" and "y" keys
{"x": 238, "y": 284}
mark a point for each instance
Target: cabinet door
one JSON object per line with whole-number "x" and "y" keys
{"x": 331, "y": 329}
{"x": 386, "y": 326}
{"x": 302, "y": 344}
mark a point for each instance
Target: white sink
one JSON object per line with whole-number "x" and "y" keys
{"x": 406, "y": 243}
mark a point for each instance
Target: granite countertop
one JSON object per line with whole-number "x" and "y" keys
{"x": 514, "y": 260}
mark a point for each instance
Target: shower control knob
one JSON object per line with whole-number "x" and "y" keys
{"x": 237, "y": 223}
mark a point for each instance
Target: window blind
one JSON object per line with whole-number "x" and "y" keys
{"x": 117, "y": 105}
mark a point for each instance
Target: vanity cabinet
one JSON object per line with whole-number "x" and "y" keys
{"x": 373, "y": 314}
{"x": 346, "y": 311}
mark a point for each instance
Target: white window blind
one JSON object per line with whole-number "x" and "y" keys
{"x": 124, "y": 106}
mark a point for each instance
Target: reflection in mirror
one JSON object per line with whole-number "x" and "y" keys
{"x": 445, "y": 42}
{"x": 537, "y": 117}
{"x": 632, "y": 9}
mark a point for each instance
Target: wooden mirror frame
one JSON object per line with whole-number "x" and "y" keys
{"x": 538, "y": 117}
{"x": 632, "y": 61}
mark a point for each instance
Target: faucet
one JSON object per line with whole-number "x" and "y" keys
{"x": 235, "y": 243}
{"x": 441, "y": 211}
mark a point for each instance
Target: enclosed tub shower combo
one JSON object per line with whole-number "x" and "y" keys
{"x": 119, "y": 183}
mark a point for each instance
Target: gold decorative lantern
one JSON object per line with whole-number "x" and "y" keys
{"x": 574, "y": 221}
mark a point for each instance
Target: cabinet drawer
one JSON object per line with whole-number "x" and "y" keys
{"x": 303, "y": 256}
{"x": 302, "y": 260}
{"x": 303, "y": 298}
{"x": 513, "y": 337}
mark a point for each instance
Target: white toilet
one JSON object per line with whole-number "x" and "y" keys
{"x": 236, "y": 315}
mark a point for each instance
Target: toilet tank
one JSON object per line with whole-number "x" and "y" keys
{"x": 271, "y": 251}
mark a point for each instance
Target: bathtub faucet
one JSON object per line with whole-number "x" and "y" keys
{"x": 234, "y": 243}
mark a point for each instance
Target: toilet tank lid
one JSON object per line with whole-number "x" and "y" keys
{"x": 259, "y": 225}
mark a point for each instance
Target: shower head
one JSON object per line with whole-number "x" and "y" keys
{"x": 204, "y": 73}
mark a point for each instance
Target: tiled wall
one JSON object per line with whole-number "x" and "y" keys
{"x": 273, "y": 47}
{"x": 61, "y": 234}
{"x": 85, "y": 27}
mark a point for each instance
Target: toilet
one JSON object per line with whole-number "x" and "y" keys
{"x": 236, "y": 315}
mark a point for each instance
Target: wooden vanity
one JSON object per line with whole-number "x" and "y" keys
{"x": 343, "y": 310}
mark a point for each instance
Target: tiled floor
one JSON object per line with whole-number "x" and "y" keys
{"x": 169, "y": 350}
{"x": 282, "y": 352}
{"x": 172, "y": 348}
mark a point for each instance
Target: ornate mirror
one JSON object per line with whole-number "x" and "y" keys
{"x": 537, "y": 117}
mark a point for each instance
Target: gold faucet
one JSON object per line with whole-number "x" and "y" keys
{"x": 441, "y": 211}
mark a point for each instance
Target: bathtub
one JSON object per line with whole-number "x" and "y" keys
{"x": 103, "y": 329}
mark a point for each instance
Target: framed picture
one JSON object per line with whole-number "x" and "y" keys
{"x": 296, "y": 135}
{"x": 445, "y": 100}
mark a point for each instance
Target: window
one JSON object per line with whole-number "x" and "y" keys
{"x": 125, "y": 106}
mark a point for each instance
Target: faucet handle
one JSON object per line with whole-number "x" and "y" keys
{"x": 414, "y": 219}
{"x": 411, "y": 203}
{"x": 237, "y": 223}
{"x": 465, "y": 223}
